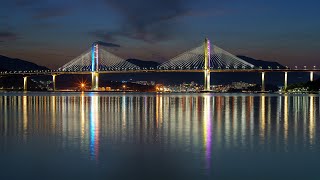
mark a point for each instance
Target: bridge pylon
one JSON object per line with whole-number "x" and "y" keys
{"x": 94, "y": 81}
{"x": 263, "y": 86}
{"x": 54, "y": 82}
{"x": 95, "y": 67}
{"x": 207, "y": 50}
{"x": 311, "y": 76}
{"x": 285, "y": 80}
{"x": 25, "y": 83}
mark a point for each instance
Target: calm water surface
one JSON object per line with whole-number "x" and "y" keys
{"x": 159, "y": 136}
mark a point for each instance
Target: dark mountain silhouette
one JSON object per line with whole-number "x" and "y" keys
{"x": 144, "y": 64}
{"x": 258, "y": 63}
{"x": 13, "y": 64}
{"x": 16, "y": 82}
{"x": 262, "y": 63}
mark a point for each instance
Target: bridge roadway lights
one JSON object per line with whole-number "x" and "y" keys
{"x": 263, "y": 88}
{"x": 95, "y": 81}
{"x": 25, "y": 83}
{"x": 54, "y": 81}
{"x": 285, "y": 80}
{"x": 311, "y": 76}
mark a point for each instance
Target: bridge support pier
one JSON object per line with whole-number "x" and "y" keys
{"x": 263, "y": 87}
{"x": 311, "y": 76}
{"x": 25, "y": 83}
{"x": 54, "y": 82}
{"x": 95, "y": 81}
{"x": 206, "y": 65}
{"x": 285, "y": 80}
{"x": 207, "y": 80}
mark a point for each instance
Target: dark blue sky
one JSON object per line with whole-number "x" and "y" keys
{"x": 52, "y": 32}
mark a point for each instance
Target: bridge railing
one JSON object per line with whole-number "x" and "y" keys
{"x": 259, "y": 68}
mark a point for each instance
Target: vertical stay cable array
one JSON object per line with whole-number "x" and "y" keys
{"x": 107, "y": 62}
{"x": 194, "y": 59}
{"x": 80, "y": 63}
{"x": 221, "y": 59}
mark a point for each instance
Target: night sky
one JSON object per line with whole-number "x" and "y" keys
{"x": 52, "y": 32}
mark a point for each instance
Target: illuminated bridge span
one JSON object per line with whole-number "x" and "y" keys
{"x": 205, "y": 58}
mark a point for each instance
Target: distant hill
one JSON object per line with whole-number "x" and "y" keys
{"x": 11, "y": 64}
{"x": 255, "y": 62}
{"x": 16, "y": 82}
{"x": 8, "y": 64}
{"x": 261, "y": 63}
{"x": 144, "y": 64}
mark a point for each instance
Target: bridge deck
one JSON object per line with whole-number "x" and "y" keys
{"x": 158, "y": 71}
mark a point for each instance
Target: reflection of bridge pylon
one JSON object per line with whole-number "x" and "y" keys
{"x": 95, "y": 60}
{"x": 205, "y": 57}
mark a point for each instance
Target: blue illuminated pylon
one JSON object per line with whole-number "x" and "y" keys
{"x": 95, "y": 57}
{"x": 95, "y": 66}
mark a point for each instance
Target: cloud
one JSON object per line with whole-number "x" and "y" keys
{"x": 8, "y": 36}
{"x": 106, "y": 44}
{"x": 146, "y": 20}
{"x": 43, "y": 9}
{"x": 106, "y": 36}
{"x": 24, "y": 3}
{"x": 3, "y": 17}
{"x": 49, "y": 12}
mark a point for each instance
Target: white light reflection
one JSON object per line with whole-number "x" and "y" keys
{"x": 53, "y": 111}
{"x": 207, "y": 129}
{"x": 5, "y": 116}
{"x": 159, "y": 113}
{"x": 94, "y": 127}
{"x": 25, "y": 116}
{"x": 227, "y": 122}
{"x": 286, "y": 117}
{"x": 235, "y": 121}
{"x": 262, "y": 118}
{"x": 82, "y": 119}
{"x": 243, "y": 121}
{"x": 279, "y": 115}
{"x": 219, "y": 102}
{"x": 251, "y": 111}
{"x": 312, "y": 130}
{"x": 124, "y": 115}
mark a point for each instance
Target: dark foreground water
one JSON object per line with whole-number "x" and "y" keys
{"x": 159, "y": 136}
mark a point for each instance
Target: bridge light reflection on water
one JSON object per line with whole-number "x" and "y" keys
{"x": 94, "y": 127}
{"x": 207, "y": 120}
{"x": 199, "y": 129}
{"x": 301, "y": 112}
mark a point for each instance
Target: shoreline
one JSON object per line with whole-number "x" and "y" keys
{"x": 201, "y": 92}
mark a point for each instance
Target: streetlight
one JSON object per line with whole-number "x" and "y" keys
{"x": 82, "y": 86}
{"x": 124, "y": 87}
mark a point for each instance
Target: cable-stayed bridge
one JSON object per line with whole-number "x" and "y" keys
{"x": 205, "y": 58}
